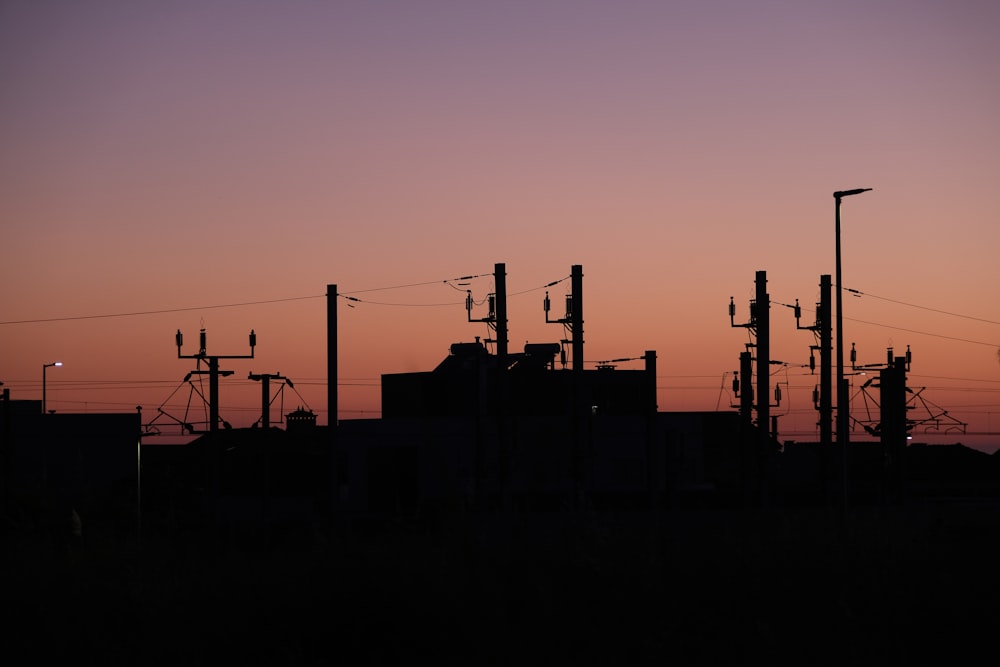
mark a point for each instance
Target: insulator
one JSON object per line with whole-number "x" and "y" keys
{"x": 546, "y": 305}
{"x": 815, "y": 395}
{"x": 777, "y": 393}
{"x": 732, "y": 308}
{"x": 854, "y": 354}
{"x": 492, "y": 304}
{"x": 202, "y": 339}
{"x": 179, "y": 338}
{"x": 909, "y": 356}
{"x": 888, "y": 356}
{"x": 819, "y": 314}
{"x": 812, "y": 362}
{"x": 569, "y": 305}
{"x": 562, "y": 357}
{"x": 253, "y": 339}
{"x": 468, "y": 300}
{"x": 798, "y": 310}
{"x": 736, "y": 382}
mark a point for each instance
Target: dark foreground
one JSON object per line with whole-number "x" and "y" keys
{"x": 893, "y": 587}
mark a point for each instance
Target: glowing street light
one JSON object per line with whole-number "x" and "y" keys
{"x": 45, "y": 367}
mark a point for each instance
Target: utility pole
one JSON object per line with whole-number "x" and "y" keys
{"x": 823, "y": 398}
{"x": 651, "y": 409}
{"x": 573, "y": 322}
{"x": 500, "y": 280}
{"x": 823, "y": 330}
{"x": 894, "y": 427}
{"x": 496, "y": 322}
{"x": 265, "y": 394}
{"x": 743, "y": 387}
{"x": 212, "y": 452}
{"x": 213, "y": 371}
{"x": 503, "y": 398}
{"x": 760, "y": 324}
{"x": 576, "y": 317}
{"x": 763, "y": 304}
{"x": 332, "y": 378}
{"x": 331, "y": 354}
{"x": 496, "y": 317}
{"x": 6, "y": 451}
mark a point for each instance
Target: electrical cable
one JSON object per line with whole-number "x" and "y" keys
{"x": 408, "y": 305}
{"x": 915, "y": 331}
{"x": 247, "y": 303}
{"x": 429, "y": 282}
{"x": 157, "y": 312}
{"x": 913, "y": 305}
{"x": 535, "y": 289}
{"x": 922, "y": 333}
{"x": 345, "y": 295}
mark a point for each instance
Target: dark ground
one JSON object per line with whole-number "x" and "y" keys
{"x": 896, "y": 586}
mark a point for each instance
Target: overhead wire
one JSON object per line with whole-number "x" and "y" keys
{"x": 421, "y": 284}
{"x": 913, "y": 305}
{"x": 915, "y": 331}
{"x": 535, "y": 289}
{"x": 258, "y": 302}
{"x": 345, "y": 295}
{"x": 923, "y": 333}
{"x": 160, "y": 311}
{"x": 449, "y": 283}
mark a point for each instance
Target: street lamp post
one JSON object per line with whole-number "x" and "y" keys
{"x": 843, "y": 396}
{"x": 45, "y": 367}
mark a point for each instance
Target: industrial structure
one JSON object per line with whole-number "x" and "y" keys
{"x": 492, "y": 429}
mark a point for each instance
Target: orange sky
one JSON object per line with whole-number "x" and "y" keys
{"x": 164, "y": 158}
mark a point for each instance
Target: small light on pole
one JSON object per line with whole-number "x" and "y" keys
{"x": 45, "y": 368}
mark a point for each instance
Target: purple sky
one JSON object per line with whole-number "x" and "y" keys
{"x": 169, "y": 155}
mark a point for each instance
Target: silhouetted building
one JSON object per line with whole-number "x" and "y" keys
{"x": 300, "y": 420}
{"x": 467, "y": 383}
{"x": 56, "y": 465}
{"x": 539, "y": 437}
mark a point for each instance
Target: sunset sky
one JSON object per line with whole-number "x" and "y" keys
{"x": 187, "y": 164}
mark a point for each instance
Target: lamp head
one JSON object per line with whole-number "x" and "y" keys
{"x": 847, "y": 193}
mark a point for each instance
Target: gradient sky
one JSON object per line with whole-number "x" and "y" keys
{"x": 171, "y": 157}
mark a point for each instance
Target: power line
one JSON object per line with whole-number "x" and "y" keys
{"x": 448, "y": 282}
{"x": 407, "y": 305}
{"x": 944, "y": 377}
{"x": 158, "y": 312}
{"x": 922, "y": 333}
{"x": 535, "y": 289}
{"x": 345, "y": 295}
{"x": 429, "y": 282}
{"x": 913, "y": 305}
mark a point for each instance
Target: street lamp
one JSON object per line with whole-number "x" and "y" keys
{"x": 843, "y": 397}
{"x": 45, "y": 367}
